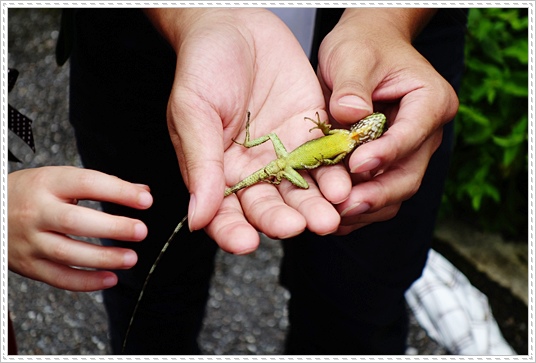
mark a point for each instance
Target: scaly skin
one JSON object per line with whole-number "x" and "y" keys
{"x": 325, "y": 150}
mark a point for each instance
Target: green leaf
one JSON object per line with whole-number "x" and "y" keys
{"x": 490, "y": 160}
{"x": 509, "y": 141}
{"x": 510, "y": 154}
{"x": 474, "y": 115}
{"x": 519, "y": 51}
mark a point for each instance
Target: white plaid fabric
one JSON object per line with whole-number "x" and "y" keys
{"x": 453, "y": 312}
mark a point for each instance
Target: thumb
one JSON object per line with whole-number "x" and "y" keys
{"x": 196, "y": 133}
{"x": 346, "y": 79}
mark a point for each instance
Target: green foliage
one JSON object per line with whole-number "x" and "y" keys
{"x": 488, "y": 180}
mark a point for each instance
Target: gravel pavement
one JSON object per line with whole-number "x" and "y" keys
{"x": 246, "y": 312}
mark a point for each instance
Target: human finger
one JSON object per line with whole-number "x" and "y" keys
{"x": 416, "y": 118}
{"x": 230, "y": 229}
{"x": 68, "y": 251}
{"x": 73, "y": 279}
{"x": 81, "y": 221}
{"x": 77, "y": 183}
{"x": 266, "y": 210}
{"x": 334, "y": 182}
{"x": 397, "y": 183}
{"x": 352, "y": 223}
{"x": 320, "y": 215}
{"x": 198, "y": 142}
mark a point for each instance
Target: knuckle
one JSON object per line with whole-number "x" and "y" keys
{"x": 104, "y": 258}
{"x": 414, "y": 184}
{"x": 391, "y": 211}
{"x": 116, "y": 228}
{"x": 67, "y": 220}
{"x": 62, "y": 281}
{"x": 120, "y": 228}
{"x": 86, "y": 180}
{"x": 25, "y": 213}
{"x": 380, "y": 194}
{"x": 62, "y": 252}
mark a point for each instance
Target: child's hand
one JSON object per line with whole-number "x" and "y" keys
{"x": 43, "y": 212}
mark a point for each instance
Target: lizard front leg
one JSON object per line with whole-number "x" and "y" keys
{"x": 322, "y": 125}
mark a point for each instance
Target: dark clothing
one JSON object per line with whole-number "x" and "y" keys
{"x": 347, "y": 293}
{"x": 11, "y": 338}
{"x": 357, "y": 282}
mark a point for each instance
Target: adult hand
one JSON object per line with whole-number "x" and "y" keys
{"x": 43, "y": 215}
{"x": 230, "y": 61}
{"x": 368, "y": 63}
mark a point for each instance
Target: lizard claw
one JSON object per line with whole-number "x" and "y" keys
{"x": 322, "y": 125}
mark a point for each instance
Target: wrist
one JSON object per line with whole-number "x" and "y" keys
{"x": 405, "y": 23}
{"x": 173, "y": 23}
{"x": 176, "y": 24}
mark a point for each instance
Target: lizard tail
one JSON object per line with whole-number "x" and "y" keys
{"x": 166, "y": 245}
{"x": 259, "y": 175}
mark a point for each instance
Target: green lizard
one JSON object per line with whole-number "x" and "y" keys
{"x": 325, "y": 150}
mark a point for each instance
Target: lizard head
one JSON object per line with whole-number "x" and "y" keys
{"x": 369, "y": 128}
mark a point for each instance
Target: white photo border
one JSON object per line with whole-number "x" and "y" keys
{"x": 5, "y": 5}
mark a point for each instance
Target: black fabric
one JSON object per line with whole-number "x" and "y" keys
{"x": 121, "y": 76}
{"x": 362, "y": 277}
{"x": 325, "y": 20}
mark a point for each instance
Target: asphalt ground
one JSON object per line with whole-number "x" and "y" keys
{"x": 246, "y": 313}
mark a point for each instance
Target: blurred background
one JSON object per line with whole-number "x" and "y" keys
{"x": 487, "y": 191}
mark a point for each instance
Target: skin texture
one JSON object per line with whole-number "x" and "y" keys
{"x": 383, "y": 70}
{"x": 43, "y": 217}
{"x": 207, "y": 109}
{"x": 228, "y": 63}
{"x": 329, "y": 149}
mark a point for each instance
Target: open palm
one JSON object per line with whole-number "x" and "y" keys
{"x": 230, "y": 62}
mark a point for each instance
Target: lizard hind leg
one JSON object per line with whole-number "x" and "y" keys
{"x": 295, "y": 178}
{"x": 279, "y": 148}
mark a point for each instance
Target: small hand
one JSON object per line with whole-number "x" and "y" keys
{"x": 43, "y": 215}
{"x": 382, "y": 68}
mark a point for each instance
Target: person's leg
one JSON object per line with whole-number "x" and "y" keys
{"x": 347, "y": 293}
{"x": 121, "y": 77}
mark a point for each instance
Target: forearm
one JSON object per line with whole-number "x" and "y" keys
{"x": 172, "y": 23}
{"x": 403, "y": 22}
{"x": 176, "y": 25}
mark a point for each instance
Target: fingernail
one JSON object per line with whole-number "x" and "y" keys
{"x": 191, "y": 210}
{"x": 366, "y": 165}
{"x": 145, "y": 199}
{"x": 355, "y": 209}
{"x": 130, "y": 258}
{"x": 140, "y": 231}
{"x": 144, "y": 186}
{"x": 354, "y": 102}
{"x": 109, "y": 281}
{"x": 245, "y": 251}
{"x": 328, "y": 233}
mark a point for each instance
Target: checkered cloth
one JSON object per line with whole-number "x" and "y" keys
{"x": 453, "y": 312}
{"x": 19, "y": 124}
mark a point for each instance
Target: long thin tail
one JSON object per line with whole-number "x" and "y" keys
{"x": 177, "y": 229}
